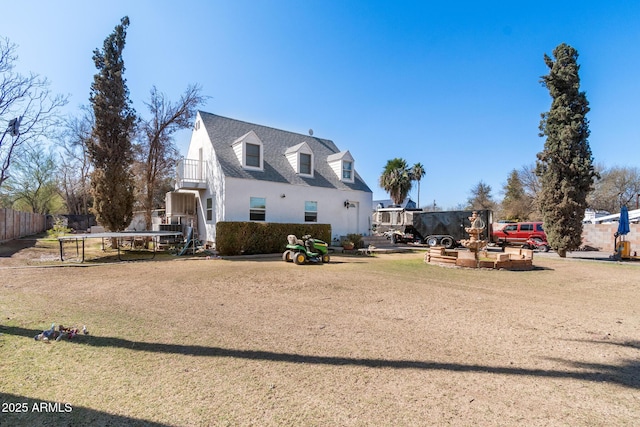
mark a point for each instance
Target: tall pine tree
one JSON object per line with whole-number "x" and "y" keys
{"x": 110, "y": 150}
{"x": 565, "y": 166}
{"x": 515, "y": 205}
{"x": 481, "y": 197}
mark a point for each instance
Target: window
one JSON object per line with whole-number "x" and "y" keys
{"x": 310, "y": 211}
{"x": 526, "y": 227}
{"x": 258, "y": 209}
{"x": 343, "y": 165}
{"x": 252, "y": 155}
{"x": 347, "y": 168}
{"x": 209, "y": 209}
{"x": 511, "y": 227}
{"x": 300, "y": 158}
{"x": 249, "y": 151}
{"x": 305, "y": 164}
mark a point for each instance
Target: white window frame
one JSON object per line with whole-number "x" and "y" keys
{"x": 209, "y": 209}
{"x": 241, "y": 150}
{"x": 260, "y": 210}
{"x": 338, "y": 161}
{"x": 245, "y": 155}
{"x": 310, "y": 207}
{"x": 349, "y": 170}
{"x": 310, "y": 173}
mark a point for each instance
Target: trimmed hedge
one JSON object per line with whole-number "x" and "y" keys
{"x": 249, "y": 238}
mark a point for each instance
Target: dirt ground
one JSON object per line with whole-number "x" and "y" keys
{"x": 384, "y": 340}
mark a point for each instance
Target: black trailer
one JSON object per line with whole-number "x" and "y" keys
{"x": 444, "y": 228}
{"x": 448, "y": 228}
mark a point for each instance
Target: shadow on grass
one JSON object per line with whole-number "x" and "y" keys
{"x": 540, "y": 268}
{"x": 12, "y": 247}
{"x": 627, "y": 343}
{"x": 24, "y": 411}
{"x": 627, "y": 374}
{"x": 270, "y": 258}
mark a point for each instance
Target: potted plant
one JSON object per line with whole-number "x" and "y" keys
{"x": 348, "y": 245}
{"x": 356, "y": 240}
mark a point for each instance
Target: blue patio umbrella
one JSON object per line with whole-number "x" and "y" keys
{"x": 623, "y": 223}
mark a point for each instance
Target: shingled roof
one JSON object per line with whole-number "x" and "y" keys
{"x": 223, "y": 132}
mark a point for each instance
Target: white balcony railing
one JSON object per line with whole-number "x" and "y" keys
{"x": 191, "y": 173}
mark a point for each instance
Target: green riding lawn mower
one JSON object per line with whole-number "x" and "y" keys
{"x": 304, "y": 250}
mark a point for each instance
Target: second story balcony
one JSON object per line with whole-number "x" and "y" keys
{"x": 190, "y": 174}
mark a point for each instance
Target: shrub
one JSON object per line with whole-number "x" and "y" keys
{"x": 59, "y": 228}
{"x": 249, "y": 238}
{"x": 356, "y": 239}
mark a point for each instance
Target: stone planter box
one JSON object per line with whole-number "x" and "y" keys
{"x": 512, "y": 259}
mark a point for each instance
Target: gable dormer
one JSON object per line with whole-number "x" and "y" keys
{"x": 249, "y": 151}
{"x": 343, "y": 165}
{"x": 300, "y": 158}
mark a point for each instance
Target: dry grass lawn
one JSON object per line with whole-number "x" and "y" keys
{"x": 362, "y": 341}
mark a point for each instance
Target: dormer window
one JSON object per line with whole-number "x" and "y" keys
{"x": 249, "y": 151}
{"x": 305, "y": 164}
{"x": 347, "y": 170}
{"x": 252, "y": 155}
{"x": 343, "y": 165}
{"x": 301, "y": 159}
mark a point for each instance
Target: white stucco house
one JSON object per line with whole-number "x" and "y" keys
{"x": 240, "y": 171}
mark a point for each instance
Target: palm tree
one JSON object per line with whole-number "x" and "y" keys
{"x": 417, "y": 173}
{"x": 396, "y": 179}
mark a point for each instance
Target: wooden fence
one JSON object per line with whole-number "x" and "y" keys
{"x": 15, "y": 224}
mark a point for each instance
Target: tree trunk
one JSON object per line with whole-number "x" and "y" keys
{"x": 562, "y": 253}
{"x": 147, "y": 218}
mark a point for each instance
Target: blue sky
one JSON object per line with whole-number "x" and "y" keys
{"x": 452, "y": 85}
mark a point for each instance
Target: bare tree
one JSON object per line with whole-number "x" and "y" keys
{"x": 616, "y": 187}
{"x": 156, "y": 151}
{"x": 26, "y": 106}
{"x": 531, "y": 186}
{"x": 530, "y": 181}
{"x": 75, "y": 165}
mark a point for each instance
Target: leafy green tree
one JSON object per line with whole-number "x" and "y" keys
{"x": 32, "y": 186}
{"x": 481, "y": 197}
{"x": 396, "y": 179}
{"x": 417, "y": 173}
{"x": 110, "y": 149}
{"x": 565, "y": 166}
{"x": 516, "y": 205}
